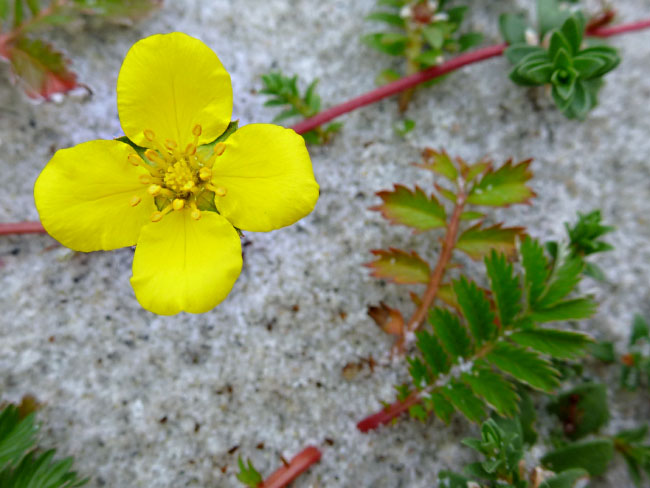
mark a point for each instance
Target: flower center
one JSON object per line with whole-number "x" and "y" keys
{"x": 178, "y": 179}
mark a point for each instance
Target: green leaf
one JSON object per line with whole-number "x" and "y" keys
{"x": 449, "y": 479}
{"x": 33, "y": 6}
{"x": 513, "y": 28}
{"x": 578, "y": 308}
{"x": 640, "y": 330}
{"x": 559, "y": 42}
{"x": 604, "y": 351}
{"x": 502, "y": 187}
{"x": 286, "y": 114}
{"x": 524, "y": 365}
{"x": 456, "y": 15}
{"x": 536, "y": 268}
{"x": 499, "y": 393}
{"x": 16, "y": 436}
{"x": 387, "y": 43}
{"x": 564, "y": 277}
{"x": 392, "y": 3}
{"x": 248, "y": 474}
{"x": 412, "y": 208}
{"x": 440, "y": 406}
{"x": 4, "y": 9}
{"x": 418, "y": 412}
{"x": 476, "y": 309}
{"x": 432, "y": 352}
{"x": 399, "y": 266}
{"x": 440, "y": 163}
{"x": 477, "y": 242}
{"x": 469, "y": 40}
{"x": 518, "y": 52}
{"x": 583, "y": 410}
{"x": 567, "y": 479}
{"x": 527, "y": 416}
{"x": 629, "y": 436}
{"x": 434, "y": 36}
{"x": 42, "y": 471}
{"x": 464, "y": 400}
{"x": 592, "y": 456}
{"x": 556, "y": 343}
{"x": 607, "y": 55}
{"x": 387, "y": 76}
{"x": 550, "y": 15}
{"x": 389, "y": 18}
{"x": 41, "y": 71}
{"x": 18, "y": 13}
{"x": 450, "y": 332}
{"x": 404, "y": 127}
{"x": 419, "y": 372}
{"x": 573, "y": 30}
{"x": 505, "y": 287}
{"x": 471, "y": 215}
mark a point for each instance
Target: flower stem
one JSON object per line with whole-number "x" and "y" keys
{"x": 21, "y": 228}
{"x": 389, "y": 413}
{"x": 298, "y": 464}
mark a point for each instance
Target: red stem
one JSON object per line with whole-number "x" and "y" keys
{"x": 381, "y": 93}
{"x": 299, "y": 464}
{"x": 389, "y": 413}
{"x": 21, "y": 228}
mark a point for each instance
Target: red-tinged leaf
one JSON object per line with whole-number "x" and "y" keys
{"x": 447, "y": 295}
{"x": 389, "y": 319}
{"x": 120, "y": 12}
{"x": 478, "y": 242}
{"x": 39, "y": 69}
{"x": 476, "y": 169}
{"x": 502, "y": 187}
{"x": 399, "y": 266}
{"x": 412, "y": 208}
{"x": 448, "y": 194}
{"x": 440, "y": 163}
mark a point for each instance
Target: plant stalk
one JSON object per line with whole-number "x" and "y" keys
{"x": 298, "y": 465}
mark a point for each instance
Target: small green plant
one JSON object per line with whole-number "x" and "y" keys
{"x": 422, "y": 32}
{"x": 248, "y": 475}
{"x": 22, "y": 465}
{"x": 39, "y": 68}
{"x": 283, "y": 92}
{"x": 559, "y": 57}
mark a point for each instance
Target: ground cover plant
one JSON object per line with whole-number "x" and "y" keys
{"x": 476, "y": 316}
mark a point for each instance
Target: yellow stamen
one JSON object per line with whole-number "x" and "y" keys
{"x": 197, "y": 130}
{"x": 171, "y": 145}
{"x": 145, "y": 179}
{"x": 190, "y": 150}
{"x": 149, "y": 134}
{"x": 135, "y": 199}
{"x": 220, "y": 191}
{"x": 157, "y": 216}
{"x": 154, "y": 190}
{"x": 178, "y": 204}
{"x": 135, "y": 160}
{"x": 219, "y": 148}
{"x": 196, "y": 213}
{"x": 205, "y": 173}
{"x": 155, "y": 157}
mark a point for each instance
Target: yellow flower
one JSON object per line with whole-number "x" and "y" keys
{"x": 183, "y": 199}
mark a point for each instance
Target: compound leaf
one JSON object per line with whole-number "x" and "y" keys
{"x": 412, "y": 208}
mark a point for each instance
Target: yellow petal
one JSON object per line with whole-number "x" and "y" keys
{"x": 168, "y": 84}
{"x": 182, "y": 264}
{"x": 267, "y": 176}
{"x": 84, "y": 197}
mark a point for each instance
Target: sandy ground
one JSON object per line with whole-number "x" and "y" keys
{"x": 147, "y": 401}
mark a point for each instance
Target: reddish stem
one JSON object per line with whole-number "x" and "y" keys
{"x": 620, "y": 29}
{"x": 299, "y": 464}
{"x": 398, "y": 86}
{"x": 389, "y": 413}
{"x": 22, "y": 228}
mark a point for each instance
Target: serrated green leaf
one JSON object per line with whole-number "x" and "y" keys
{"x": 432, "y": 352}
{"x": 441, "y": 407}
{"x": 524, "y": 365}
{"x": 559, "y": 344}
{"x": 499, "y": 393}
{"x": 386, "y": 42}
{"x": 567, "y": 479}
{"x": 592, "y": 456}
{"x": 440, "y": 163}
{"x": 564, "y": 278}
{"x": 505, "y": 287}
{"x": 387, "y": 17}
{"x": 418, "y": 412}
{"x": 471, "y": 215}
{"x": 420, "y": 374}
{"x": 464, "y": 400}
{"x": 412, "y": 208}
{"x": 451, "y": 333}
{"x": 536, "y": 268}
{"x": 603, "y": 350}
{"x": 505, "y": 186}
{"x": 17, "y": 436}
{"x": 477, "y": 242}
{"x": 578, "y": 308}
{"x": 513, "y": 28}
{"x": 399, "y": 266}
{"x": 476, "y": 310}
{"x": 583, "y": 410}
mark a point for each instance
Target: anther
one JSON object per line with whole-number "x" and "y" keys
{"x": 145, "y": 179}
{"x": 197, "y": 130}
{"x": 178, "y": 204}
{"x": 135, "y": 199}
{"x": 190, "y": 150}
{"x": 135, "y": 160}
{"x": 196, "y": 213}
{"x": 219, "y": 148}
{"x": 149, "y": 134}
{"x": 220, "y": 191}
{"x": 157, "y": 216}
{"x": 154, "y": 190}
{"x": 205, "y": 173}
{"x": 171, "y": 145}
{"x": 154, "y": 157}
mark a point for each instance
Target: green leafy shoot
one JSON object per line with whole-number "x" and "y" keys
{"x": 636, "y": 362}
{"x": 585, "y": 240}
{"x": 248, "y": 475}
{"x": 574, "y": 72}
{"x": 421, "y": 33}
{"x": 283, "y": 92}
{"x": 503, "y": 449}
{"x": 634, "y": 446}
{"x": 40, "y": 69}
{"x": 21, "y": 464}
